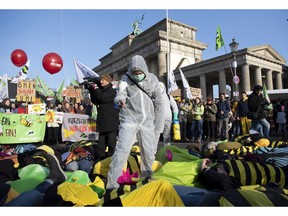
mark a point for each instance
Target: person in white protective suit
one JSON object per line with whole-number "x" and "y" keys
{"x": 141, "y": 117}
{"x": 170, "y": 113}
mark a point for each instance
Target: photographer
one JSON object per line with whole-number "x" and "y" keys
{"x": 102, "y": 95}
{"x": 257, "y": 105}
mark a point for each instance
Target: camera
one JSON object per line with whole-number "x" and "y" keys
{"x": 92, "y": 79}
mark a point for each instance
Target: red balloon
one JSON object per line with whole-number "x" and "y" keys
{"x": 18, "y": 57}
{"x": 52, "y": 63}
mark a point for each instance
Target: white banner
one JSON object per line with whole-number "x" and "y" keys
{"x": 186, "y": 85}
{"x": 22, "y": 73}
{"x": 77, "y": 127}
{"x": 4, "y": 87}
{"x": 172, "y": 82}
{"x": 83, "y": 71}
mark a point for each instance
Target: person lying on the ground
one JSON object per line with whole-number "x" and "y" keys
{"x": 34, "y": 197}
{"x": 231, "y": 174}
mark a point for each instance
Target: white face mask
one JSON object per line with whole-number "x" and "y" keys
{"x": 138, "y": 77}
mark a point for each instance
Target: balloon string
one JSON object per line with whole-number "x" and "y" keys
{"x": 62, "y": 36}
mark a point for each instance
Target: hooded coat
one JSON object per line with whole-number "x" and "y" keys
{"x": 141, "y": 118}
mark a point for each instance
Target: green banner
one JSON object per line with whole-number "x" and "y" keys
{"x": 21, "y": 128}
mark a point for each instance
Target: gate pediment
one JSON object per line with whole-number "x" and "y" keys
{"x": 266, "y": 51}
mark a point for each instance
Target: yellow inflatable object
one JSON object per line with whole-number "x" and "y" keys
{"x": 80, "y": 195}
{"x": 158, "y": 193}
{"x": 262, "y": 142}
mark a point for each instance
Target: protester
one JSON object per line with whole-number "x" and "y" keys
{"x": 183, "y": 117}
{"x": 67, "y": 108}
{"x": 53, "y": 128}
{"x": 108, "y": 116}
{"x": 81, "y": 109}
{"x": 210, "y": 111}
{"x": 14, "y": 108}
{"x": 171, "y": 113}
{"x": 141, "y": 116}
{"x": 257, "y": 105}
{"x": 197, "y": 120}
{"x": 242, "y": 110}
{"x": 59, "y": 107}
{"x": 223, "y": 108}
{"x": 36, "y": 196}
{"x": 5, "y": 106}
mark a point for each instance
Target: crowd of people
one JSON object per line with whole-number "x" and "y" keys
{"x": 139, "y": 112}
{"x": 224, "y": 119}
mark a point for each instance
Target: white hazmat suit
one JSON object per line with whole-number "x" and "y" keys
{"x": 171, "y": 111}
{"x": 141, "y": 118}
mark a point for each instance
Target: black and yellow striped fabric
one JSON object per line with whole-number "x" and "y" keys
{"x": 133, "y": 163}
{"x": 78, "y": 144}
{"x": 251, "y": 173}
{"x": 240, "y": 152}
{"x": 123, "y": 189}
{"x": 147, "y": 193}
{"x": 241, "y": 139}
{"x": 278, "y": 143}
{"x": 259, "y": 196}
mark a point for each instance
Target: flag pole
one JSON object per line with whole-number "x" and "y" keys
{"x": 228, "y": 61}
{"x": 168, "y": 51}
{"x": 220, "y": 43}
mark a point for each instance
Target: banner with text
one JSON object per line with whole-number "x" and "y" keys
{"x": 21, "y": 128}
{"x": 26, "y": 90}
{"x": 77, "y": 127}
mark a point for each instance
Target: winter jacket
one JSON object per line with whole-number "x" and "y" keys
{"x": 108, "y": 115}
{"x": 210, "y": 112}
{"x": 223, "y": 106}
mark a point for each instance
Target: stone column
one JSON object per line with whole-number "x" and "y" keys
{"x": 279, "y": 84}
{"x": 203, "y": 86}
{"x": 115, "y": 76}
{"x": 269, "y": 80}
{"x": 245, "y": 78}
{"x": 162, "y": 68}
{"x": 209, "y": 90}
{"x": 258, "y": 76}
{"x": 222, "y": 81}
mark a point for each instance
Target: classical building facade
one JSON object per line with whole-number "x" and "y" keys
{"x": 172, "y": 45}
{"x": 255, "y": 66}
{"x": 153, "y": 44}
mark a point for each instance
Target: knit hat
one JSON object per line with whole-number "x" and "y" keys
{"x": 106, "y": 77}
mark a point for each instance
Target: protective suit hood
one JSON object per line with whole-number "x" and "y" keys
{"x": 137, "y": 62}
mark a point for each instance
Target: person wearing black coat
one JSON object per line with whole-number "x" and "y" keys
{"x": 256, "y": 105}
{"x": 223, "y": 108}
{"x": 108, "y": 116}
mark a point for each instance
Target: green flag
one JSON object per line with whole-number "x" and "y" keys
{"x": 74, "y": 83}
{"x": 43, "y": 88}
{"x": 39, "y": 86}
{"x": 59, "y": 92}
{"x": 219, "y": 39}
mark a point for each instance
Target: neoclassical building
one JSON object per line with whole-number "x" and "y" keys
{"x": 255, "y": 66}
{"x": 172, "y": 45}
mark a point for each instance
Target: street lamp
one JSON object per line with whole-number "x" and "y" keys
{"x": 236, "y": 80}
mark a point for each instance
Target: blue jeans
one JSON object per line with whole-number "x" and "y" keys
{"x": 196, "y": 129}
{"x": 258, "y": 123}
{"x": 33, "y": 197}
{"x": 84, "y": 165}
{"x": 194, "y": 196}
